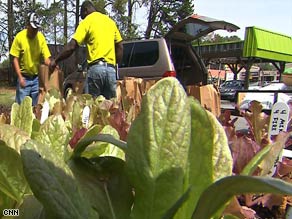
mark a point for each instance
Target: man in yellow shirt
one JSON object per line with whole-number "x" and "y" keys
{"x": 104, "y": 50}
{"x": 27, "y": 49}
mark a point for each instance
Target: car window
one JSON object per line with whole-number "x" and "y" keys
{"x": 193, "y": 29}
{"x": 127, "y": 52}
{"x": 144, "y": 54}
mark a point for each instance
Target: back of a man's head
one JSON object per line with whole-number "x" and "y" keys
{"x": 86, "y": 8}
{"x": 87, "y": 5}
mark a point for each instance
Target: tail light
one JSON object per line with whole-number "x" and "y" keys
{"x": 169, "y": 74}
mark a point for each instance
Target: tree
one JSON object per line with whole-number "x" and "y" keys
{"x": 63, "y": 17}
{"x": 163, "y": 15}
{"x": 217, "y": 38}
{"x": 122, "y": 11}
{"x": 65, "y": 20}
{"x": 4, "y": 29}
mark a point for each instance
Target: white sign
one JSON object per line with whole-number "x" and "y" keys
{"x": 278, "y": 123}
{"x": 45, "y": 112}
{"x": 279, "y": 118}
{"x": 85, "y": 116}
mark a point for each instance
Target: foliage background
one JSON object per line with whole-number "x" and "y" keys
{"x": 60, "y": 18}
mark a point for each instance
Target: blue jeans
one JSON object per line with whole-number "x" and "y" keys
{"x": 31, "y": 89}
{"x": 102, "y": 80}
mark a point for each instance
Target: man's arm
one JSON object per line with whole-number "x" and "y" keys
{"x": 119, "y": 52}
{"x": 66, "y": 52}
{"x": 47, "y": 61}
{"x": 15, "y": 62}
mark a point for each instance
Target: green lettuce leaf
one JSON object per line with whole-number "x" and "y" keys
{"x": 221, "y": 156}
{"x": 104, "y": 148}
{"x": 220, "y": 192}
{"x": 31, "y": 208}
{"x": 13, "y": 136}
{"x": 22, "y": 115}
{"x": 53, "y": 183}
{"x": 54, "y": 134}
{"x": 200, "y": 172}
{"x": 12, "y": 181}
{"x": 105, "y": 185}
{"x": 94, "y": 135}
{"x": 5, "y": 202}
{"x": 158, "y": 144}
{"x": 209, "y": 151}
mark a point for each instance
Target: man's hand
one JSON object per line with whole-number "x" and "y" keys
{"x": 21, "y": 82}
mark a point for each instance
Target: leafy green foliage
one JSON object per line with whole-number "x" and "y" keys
{"x": 158, "y": 144}
{"x": 22, "y": 115}
{"x": 54, "y": 133}
{"x": 13, "y": 136}
{"x": 13, "y": 183}
{"x": 52, "y": 182}
{"x": 164, "y": 14}
{"x": 222, "y": 191}
{"x": 104, "y": 182}
{"x": 175, "y": 163}
{"x": 216, "y": 38}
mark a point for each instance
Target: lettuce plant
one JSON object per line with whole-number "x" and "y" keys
{"x": 175, "y": 163}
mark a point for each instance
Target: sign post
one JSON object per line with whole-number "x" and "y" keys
{"x": 279, "y": 118}
{"x": 278, "y": 123}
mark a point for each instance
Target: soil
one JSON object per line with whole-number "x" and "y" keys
{"x": 5, "y": 111}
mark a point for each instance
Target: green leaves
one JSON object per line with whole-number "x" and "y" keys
{"x": 22, "y": 115}
{"x": 173, "y": 145}
{"x": 158, "y": 144}
{"x": 13, "y": 184}
{"x": 221, "y": 154}
{"x": 53, "y": 183}
{"x": 105, "y": 185}
{"x": 87, "y": 148}
{"x": 221, "y": 191}
{"x": 54, "y": 134}
{"x": 176, "y": 164}
{"x": 209, "y": 157}
{"x": 13, "y": 136}
{"x": 12, "y": 181}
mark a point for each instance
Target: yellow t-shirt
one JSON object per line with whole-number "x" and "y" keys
{"x": 99, "y": 33}
{"x": 29, "y": 51}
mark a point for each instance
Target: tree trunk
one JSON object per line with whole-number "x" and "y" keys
{"x": 10, "y": 15}
{"x": 76, "y": 25}
{"x": 151, "y": 18}
{"x": 77, "y": 13}
{"x": 55, "y": 32}
{"x": 130, "y": 15}
{"x": 65, "y": 21}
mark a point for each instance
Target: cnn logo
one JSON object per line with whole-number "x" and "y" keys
{"x": 11, "y": 212}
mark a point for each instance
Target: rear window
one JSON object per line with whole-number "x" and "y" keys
{"x": 140, "y": 54}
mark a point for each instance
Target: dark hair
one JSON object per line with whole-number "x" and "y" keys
{"x": 88, "y": 4}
